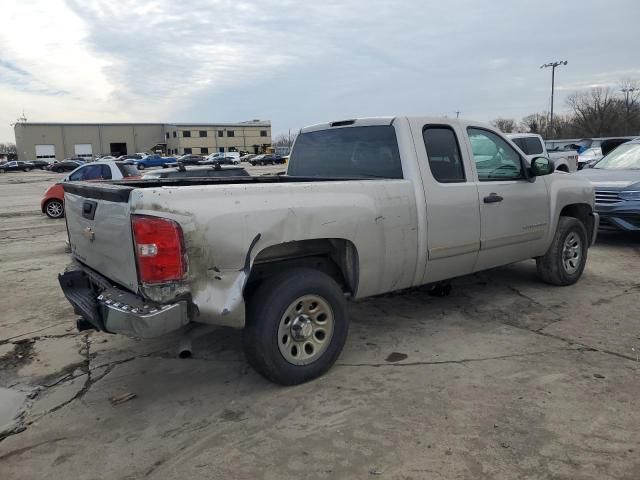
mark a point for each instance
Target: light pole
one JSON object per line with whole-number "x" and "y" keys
{"x": 628, "y": 93}
{"x": 553, "y": 66}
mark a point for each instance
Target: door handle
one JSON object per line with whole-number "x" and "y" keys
{"x": 493, "y": 198}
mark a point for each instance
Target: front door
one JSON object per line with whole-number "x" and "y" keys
{"x": 514, "y": 211}
{"x": 453, "y": 217}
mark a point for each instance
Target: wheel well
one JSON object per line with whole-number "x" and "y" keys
{"x": 582, "y": 212}
{"x": 563, "y": 168}
{"x": 336, "y": 257}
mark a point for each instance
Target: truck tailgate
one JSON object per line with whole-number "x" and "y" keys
{"x": 100, "y": 235}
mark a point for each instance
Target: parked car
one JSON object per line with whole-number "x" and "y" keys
{"x": 217, "y": 171}
{"x": 134, "y": 156}
{"x": 223, "y": 158}
{"x": 64, "y": 166}
{"x": 589, "y": 157}
{"x": 154, "y": 160}
{"x": 16, "y": 166}
{"x": 532, "y": 145}
{"x": 258, "y": 159}
{"x": 247, "y": 157}
{"x": 616, "y": 179}
{"x": 186, "y": 160}
{"x": 368, "y": 206}
{"x": 52, "y": 203}
{"x": 41, "y": 164}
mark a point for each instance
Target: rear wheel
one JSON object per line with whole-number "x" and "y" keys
{"x": 297, "y": 325}
{"x": 54, "y": 209}
{"x": 566, "y": 258}
{"x": 140, "y": 166}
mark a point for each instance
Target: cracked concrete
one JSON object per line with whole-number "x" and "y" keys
{"x": 505, "y": 378}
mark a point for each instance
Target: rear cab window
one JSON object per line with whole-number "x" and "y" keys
{"x": 347, "y": 152}
{"x": 127, "y": 170}
{"x": 529, "y": 145}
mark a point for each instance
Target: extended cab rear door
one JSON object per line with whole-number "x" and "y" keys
{"x": 453, "y": 215}
{"x": 514, "y": 211}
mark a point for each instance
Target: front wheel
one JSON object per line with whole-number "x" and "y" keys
{"x": 297, "y": 324}
{"x": 566, "y": 258}
{"x": 54, "y": 209}
{"x": 140, "y": 166}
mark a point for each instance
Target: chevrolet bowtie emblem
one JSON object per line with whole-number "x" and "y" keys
{"x": 89, "y": 233}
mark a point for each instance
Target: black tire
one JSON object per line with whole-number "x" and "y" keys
{"x": 140, "y": 166}
{"x": 266, "y": 310}
{"x": 28, "y": 169}
{"x": 552, "y": 267}
{"x": 51, "y": 211}
{"x": 59, "y": 170}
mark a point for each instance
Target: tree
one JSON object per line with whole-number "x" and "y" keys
{"x": 535, "y": 123}
{"x": 630, "y": 90}
{"x": 596, "y": 112}
{"x": 8, "y": 147}
{"x": 283, "y": 140}
{"x": 505, "y": 125}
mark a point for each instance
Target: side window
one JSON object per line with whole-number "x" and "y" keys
{"x": 106, "y": 172}
{"x": 77, "y": 175}
{"x": 444, "y": 154}
{"x": 92, "y": 172}
{"x": 495, "y": 159}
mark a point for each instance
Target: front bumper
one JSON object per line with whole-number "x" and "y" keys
{"x": 114, "y": 310}
{"x": 621, "y": 217}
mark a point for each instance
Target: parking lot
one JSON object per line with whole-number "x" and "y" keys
{"x": 504, "y": 378}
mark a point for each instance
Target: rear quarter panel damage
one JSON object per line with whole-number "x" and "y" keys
{"x": 226, "y": 225}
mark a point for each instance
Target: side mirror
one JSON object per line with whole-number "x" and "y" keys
{"x": 541, "y": 166}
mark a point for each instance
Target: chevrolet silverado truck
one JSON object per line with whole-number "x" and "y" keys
{"x": 367, "y": 206}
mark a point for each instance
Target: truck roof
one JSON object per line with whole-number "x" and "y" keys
{"x": 387, "y": 120}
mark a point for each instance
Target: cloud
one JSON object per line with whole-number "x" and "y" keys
{"x": 301, "y": 62}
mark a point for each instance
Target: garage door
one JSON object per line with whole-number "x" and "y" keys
{"x": 83, "y": 150}
{"x": 46, "y": 151}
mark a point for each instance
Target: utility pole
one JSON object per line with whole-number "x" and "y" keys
{"x": 457, "y": 114}
{"x": 553, "y": 66}
{"x": 628, "y": 93}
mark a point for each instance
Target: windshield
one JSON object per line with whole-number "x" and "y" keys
{"x": 625, "y": 157}
{"x": 347, "y": 152}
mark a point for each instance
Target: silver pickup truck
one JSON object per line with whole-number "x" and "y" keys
{"x": 367, "y": 206}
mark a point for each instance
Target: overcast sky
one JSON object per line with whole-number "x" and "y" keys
{"x": 302, "y": 62}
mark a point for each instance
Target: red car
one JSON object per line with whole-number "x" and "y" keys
{"x": 52, "y": 203}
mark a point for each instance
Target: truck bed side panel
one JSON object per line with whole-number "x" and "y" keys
{"x": 226, "y": 227}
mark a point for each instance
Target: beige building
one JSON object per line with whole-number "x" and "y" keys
{"x": 49, "y": 141}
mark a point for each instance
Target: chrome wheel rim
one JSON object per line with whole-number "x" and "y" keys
{"x": 54, "y": 209}
{"x": 572, "y": 253}
{"x": 305, "y": 330}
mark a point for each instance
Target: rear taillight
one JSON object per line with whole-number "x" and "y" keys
{"x": 159, "y": 249}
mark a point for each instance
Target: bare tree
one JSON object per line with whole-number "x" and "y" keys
{"x": 535, "y": 123}
{"x": 505, "y": 125}
{"x": 595, "y": 111}
{"x": 7, "y": 147}
{"x": 283, "y": 140}
{"x": 630, "y": 90}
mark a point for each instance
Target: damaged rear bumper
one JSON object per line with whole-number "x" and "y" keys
{"x": 114, "y": 310}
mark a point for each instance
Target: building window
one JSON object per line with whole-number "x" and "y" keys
{"x": 263, "y": 133}
{"x": 167, "y": 135}
{"x": 220, "y": 133}
{"x": 187, "y": 151}
{"x": 204, "y": 150}
{"x": 221, "y": 149}
{"x": 186, "y": 133}
{"x": 203, "y": 133}
{"x": 231, "y": 133}
{"x": 233, "y": 149}
{"x": 174, "y": 134}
